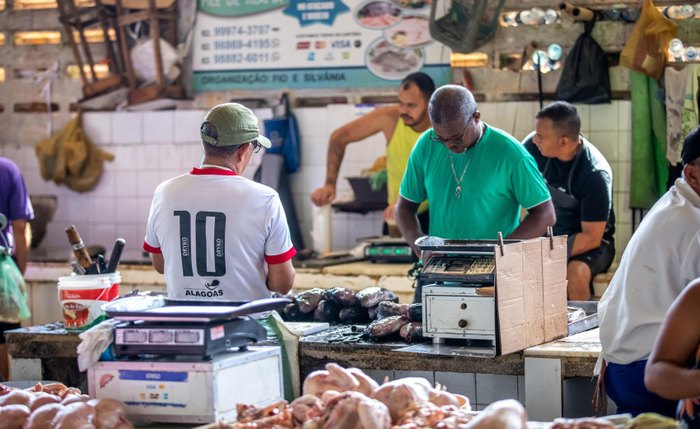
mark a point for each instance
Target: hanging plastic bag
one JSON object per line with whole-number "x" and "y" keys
{"x": 645, "y": 50}
{"x": 283, "y": 132}
{"x": 585, "y": 77}
{"x": 13, "y": 291}
{"x": 143, "y": 59}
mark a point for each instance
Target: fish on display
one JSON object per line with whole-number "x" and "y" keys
{"x": 341, "y": 295}
{"x": 372, "y": 296}
{"x": 385, "y": 327}
{"x": 308, "y": 300}
{"x": 412, "y": 332}
{"x": 388, "y": 308}
{"x": 327, "y": 311}
{"x": 372, "y": 312}
{"x": 353, "y": 314}
{"x": 291, "y": 312}
{"x": 415, "y": 312}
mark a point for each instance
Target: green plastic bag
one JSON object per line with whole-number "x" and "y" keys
{"x": 13, "y": 291}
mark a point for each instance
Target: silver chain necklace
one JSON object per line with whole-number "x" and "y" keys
{"x": 458, "y": 189}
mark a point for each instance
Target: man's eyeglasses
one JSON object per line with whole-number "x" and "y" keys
{"x": 458, "y": 140}
{"x": 256, "y": 146}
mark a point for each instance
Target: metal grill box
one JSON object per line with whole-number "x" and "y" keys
{"x": 189, "y": 390}
{"x": 511, "y": 295}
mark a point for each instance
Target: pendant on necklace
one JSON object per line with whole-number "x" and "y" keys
{"x": 458, "y": 191}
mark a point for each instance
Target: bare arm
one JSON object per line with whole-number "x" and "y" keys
{"x": 666, "y": 373}
{"x": 280, "y": 277}
{"x": 158, "y": 262}
{"x": 536, "y": 221}
{"x": 22, "y": 236}
{"x": 408, "y": 223}
{"x": 381, "y": 119}
{"x": 589, "y": 238}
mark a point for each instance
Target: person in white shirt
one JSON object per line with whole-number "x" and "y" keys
{"x": 662, "y": 257}
{"x": 214, "y": 233}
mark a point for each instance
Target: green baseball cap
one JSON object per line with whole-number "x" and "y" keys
{"x": 231, "y": 124}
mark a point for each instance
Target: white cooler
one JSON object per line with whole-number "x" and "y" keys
{"x": 187, "y": 391}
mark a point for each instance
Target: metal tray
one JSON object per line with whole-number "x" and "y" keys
{"x": 433, "y": 243}
{"x": 586, "y": 323}
{"x": 161, "y": 309}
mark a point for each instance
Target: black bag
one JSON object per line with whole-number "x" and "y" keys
{"x": 585, "y": 78}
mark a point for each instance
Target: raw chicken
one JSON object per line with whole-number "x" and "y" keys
{"x": 367, "y": 384}
{"x": 506, "y": 414}
{"x": 13, "y": 416}
{"x": 109, "y": 413}
{"x": 334, "y": 377}
{"x": 353, "y": 410}
{"x": 41, "y": 418}
{"x": 306, "y": 407}
{"x": 403, "y": 395}
{"x": 75, "y": 415}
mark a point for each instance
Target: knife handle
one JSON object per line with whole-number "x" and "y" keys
{"x": 81, "y": 253}
{"x": 116, "y": 255}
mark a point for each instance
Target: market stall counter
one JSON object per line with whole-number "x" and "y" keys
{"x": 535, "y": 377}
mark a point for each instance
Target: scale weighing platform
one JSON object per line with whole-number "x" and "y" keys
{"x": 155, "y": 325}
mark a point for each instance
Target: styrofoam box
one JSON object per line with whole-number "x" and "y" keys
{"x": 177, "y": 391}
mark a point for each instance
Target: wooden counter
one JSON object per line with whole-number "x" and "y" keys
{"x": 535, "y": 376}
{"x": 340, "y": 345}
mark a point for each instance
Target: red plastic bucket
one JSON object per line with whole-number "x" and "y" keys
{"x": 82, "y": 297}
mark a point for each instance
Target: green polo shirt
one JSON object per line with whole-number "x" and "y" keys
{"x": 500, "y": 177}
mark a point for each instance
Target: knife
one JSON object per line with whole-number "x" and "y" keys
{"x": 116, "y": 255}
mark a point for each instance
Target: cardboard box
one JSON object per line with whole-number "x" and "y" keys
{"x": 526, "y": 307}
{"x": 189, "y": 391}
{"x": 531, "y": 293}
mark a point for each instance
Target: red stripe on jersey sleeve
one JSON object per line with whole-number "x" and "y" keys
{"x": 150, "y": 249}
{"x": 284, "y": 257}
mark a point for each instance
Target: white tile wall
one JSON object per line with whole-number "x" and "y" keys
{"x": 150, "y": 147}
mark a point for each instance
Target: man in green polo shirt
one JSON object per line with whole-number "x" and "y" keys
{"x": 475, "y": 176}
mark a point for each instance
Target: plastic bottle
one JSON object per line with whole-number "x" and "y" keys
{"x": 554, "y": 52}
{"x": 676, "y": 48}
{"x": 551, "y": 16}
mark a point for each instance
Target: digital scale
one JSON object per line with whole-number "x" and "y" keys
{"x": 155, "y": 325}
{"x": 194, "y": 338}
{"x": 388, "y": 249}
{"x": 188, "y": 361}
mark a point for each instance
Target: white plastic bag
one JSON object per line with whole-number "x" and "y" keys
{"x": 143, "y": 59}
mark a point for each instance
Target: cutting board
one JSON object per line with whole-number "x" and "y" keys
{"x": 307, "y": 328}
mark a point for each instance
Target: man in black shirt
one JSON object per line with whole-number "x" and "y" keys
{"x": 580, "y": 182}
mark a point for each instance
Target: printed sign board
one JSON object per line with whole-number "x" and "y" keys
{"x": 270, "y": 44}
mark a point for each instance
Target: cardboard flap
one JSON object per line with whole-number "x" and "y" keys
{"x": 554, "y": 287}
{"x": 510, "y": 302}
{"x": 531, "y": 293}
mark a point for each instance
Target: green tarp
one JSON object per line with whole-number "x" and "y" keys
{"x": 649, "y": 165}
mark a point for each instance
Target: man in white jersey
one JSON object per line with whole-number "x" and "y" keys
{"x": 214, "y": 233}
